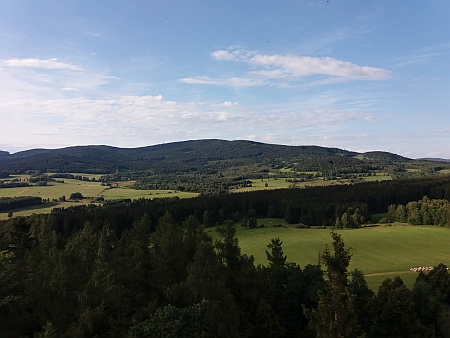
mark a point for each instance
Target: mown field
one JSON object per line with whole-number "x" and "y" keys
{"x": 380, "y": 252}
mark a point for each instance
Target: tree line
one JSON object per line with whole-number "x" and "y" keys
{"x": 423, "y": 212}
{"x": 9, "y": 203}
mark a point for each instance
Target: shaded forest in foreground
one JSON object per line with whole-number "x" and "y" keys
{"x": 177, "y": 281}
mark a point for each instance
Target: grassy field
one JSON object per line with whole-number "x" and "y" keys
{"x": 378, "y": 177}
{"x": 55, "y": 189}
{"x": 380, "y": 252}
{"x": 89, "y": 190}
{"x": 281, "y": 183}
{"x": 135, "y": 194}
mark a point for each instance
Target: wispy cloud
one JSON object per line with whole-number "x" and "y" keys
{"x": 288, "y": 68}
{"x": 38, "y": 63}
{"x": 229, "y": 82}
{"x": 47, "y": 78}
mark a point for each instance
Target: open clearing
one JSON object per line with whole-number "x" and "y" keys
{"x": 380, "y": 252}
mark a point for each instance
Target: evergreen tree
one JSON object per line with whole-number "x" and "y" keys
{"x": 335, "y": 315}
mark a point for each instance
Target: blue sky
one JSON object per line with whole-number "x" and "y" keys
{"x": 357, "y": 75}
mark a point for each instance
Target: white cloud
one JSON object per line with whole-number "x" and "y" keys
{"x": 238, "y": 54}
{"x": 228, "y": 104}
{"x": 265, "y": 69}
{"x": 230, "y": 82}
{"x": 299, "y": 66}
{"x": 43, "y": 64}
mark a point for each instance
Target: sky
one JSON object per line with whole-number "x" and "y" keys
{"x": 356, "y": 75}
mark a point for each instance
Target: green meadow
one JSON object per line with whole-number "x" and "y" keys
{"x": 56, "y": 189}
{"x": 380, "y": 252}
{"x": 116, "y": 193}
{"x": 89, "y": 189}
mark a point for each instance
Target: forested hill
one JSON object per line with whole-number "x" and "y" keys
{"x": 187, "y": 155}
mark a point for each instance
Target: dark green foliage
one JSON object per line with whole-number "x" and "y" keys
{"x": 9, "y": 203}
{"x": 362, "y": 298}
{"x": 393, "y": 312}
{"x": 130, "y": 269}
{"x": 276, "y": 256}
{"x": 76, "y": 196}
{"x": 335, "y": 315}
{"x": 431, "y": 294}
{"x": 171, "y": 321}
{"x": 252, "y": 223}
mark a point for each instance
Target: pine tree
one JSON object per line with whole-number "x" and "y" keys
{"x": 335, "y": 316}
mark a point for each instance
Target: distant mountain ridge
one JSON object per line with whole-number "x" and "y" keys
{"x": 184, "y": 155}
{"x": 434, "y": 159}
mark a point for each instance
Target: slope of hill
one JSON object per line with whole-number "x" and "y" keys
{"x": 184, "y": 155}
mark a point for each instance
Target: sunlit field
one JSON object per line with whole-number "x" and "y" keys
{"x": 115, "y": 193}
{"x": 55, "y": 189}
{"x": 380, "y": 252}
{"x": 89, "y": 189}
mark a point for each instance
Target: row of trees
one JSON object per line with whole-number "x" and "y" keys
{"x": 423, "y": 212}
{"x": 177, "y": 281}
{"x": 13, "y": 184}
{"x": 9, "y": 203}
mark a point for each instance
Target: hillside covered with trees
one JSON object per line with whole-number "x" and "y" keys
{"x": 213, "y": 166}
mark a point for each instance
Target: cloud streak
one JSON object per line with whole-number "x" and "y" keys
{"x": 47, "y": 78}
{"x": 289, "y": 68}
{"x": 42, "y": 64}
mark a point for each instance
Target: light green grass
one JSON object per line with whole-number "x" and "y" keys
{"x": 380, "y": 252}
{"x": 55, "y": 189}
{"x": 378, "y": 177}
{"x": 279, "y": 183}
{"x": 444, "y": 171}
{"x": 136, "y": 194}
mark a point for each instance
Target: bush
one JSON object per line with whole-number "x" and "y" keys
{"x": 76, "y": 196}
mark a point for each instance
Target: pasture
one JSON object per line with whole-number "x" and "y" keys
{"x": 56, "y": 189}
{"x": 380, "y": 252}
{"x": 89, "y": 189}
{"x": 133, "y": 194}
